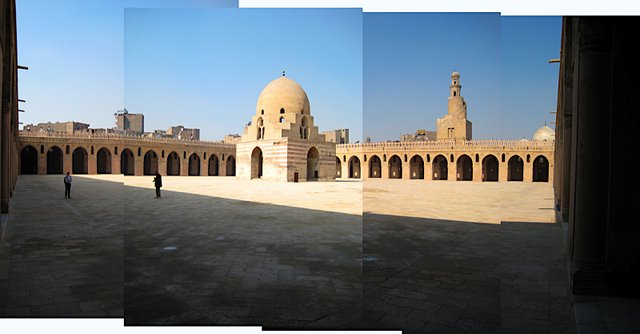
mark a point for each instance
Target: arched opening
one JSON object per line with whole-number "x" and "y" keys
{"x": 80, "y": 161}
{"x": 304, "y": 129}
{"x": 231, "y": 165}
{"x": 541, "y": 169}
{"x": 104, "y": 161}
{"x": 213, "y": 165}
{"x": 313, "y": 159}
{"x": 127, "y": 162}
{"x": 395, "y": 167}
{"x": 416, "y": 167}
{"x": 440, "y": 168}
{"x": 194, "y": 165}
{"x": 515, "y": 169}
{"x": 354, "y": 167}
{"x": 375, "y": 167}
{"x": 29, "y": 160}
{"x": 54, "y": 160}
{"x": 490, "y": 169}
{"x": 173, "y": 164}
{"x": 256, "y": 163}
{"x": 260, "y": 129}
{"x": 464, "y": 168}
{"x": 150, "y": 166}
{"x": 338, "y": 168}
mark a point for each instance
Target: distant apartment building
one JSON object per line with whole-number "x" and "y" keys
{"x": 232, "y": 139}
{"x": 60, "y": 127}
{"x": 180, "y": 132}
{"x": 420, "y": 135}
{"x": 128, "y": 122}
{"x": 339, "y": 136}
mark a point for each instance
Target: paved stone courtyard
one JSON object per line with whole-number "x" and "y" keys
{"x": 63, "y": 257}
{"x": 453, "y": 257}
{"x": 281, "y": 255}
{"x": 437, "y": 256}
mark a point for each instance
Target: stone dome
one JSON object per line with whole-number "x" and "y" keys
{"x": 283, "y": 96}
{"x": 545, "y": 133}
{"x": 455, "y": 74}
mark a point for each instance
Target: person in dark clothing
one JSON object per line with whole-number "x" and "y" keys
{"x": 157, "y": 181}
{"x": 67, "y": 186}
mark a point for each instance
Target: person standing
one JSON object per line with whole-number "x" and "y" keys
{"x": 157, "y": 181}
{"x": 67, "y": 186}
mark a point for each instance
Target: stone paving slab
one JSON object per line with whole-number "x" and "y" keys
{"x": 442, "y": 257}
{"x": 63, "y": 257}
{"x": 242, "y": 257}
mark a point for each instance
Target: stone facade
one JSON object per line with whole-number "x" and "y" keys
{"x": 454, "y": 125}
{"x": 128, "y": 122}
{"x": 128, "y": 155}
{"x": 9, "y": 114}
{"x": 281, "y": 142}
{"x": 339, "y": 136}
{"x": 62, "y": 127}
{"x": 476, "y": 161}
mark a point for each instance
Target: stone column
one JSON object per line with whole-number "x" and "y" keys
{"x": 92, "y": 159}
{"x": 503, "y": 168}
{"x": 477, "y": 171}
{"x": 364, "y": 168}
{"x": 204, "y": 166}
{"x": 452, "y": 170}
{"x": 384, "y": 167}
{"x": 527, "y": 169}
{"x": 67, "y": 159}
{"x": 406, "y": 168}
{"x": 42, "y": 163}
{"x": 138, "y": 165}
{"x": 590, "y": 150}
{"x": 428, "y": 169}
{"x": 115, "y": 161}
{"x": 345, "y": 168}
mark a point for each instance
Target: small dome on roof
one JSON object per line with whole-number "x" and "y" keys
{"x": 545, "y": 133}
{"x": 283, "y": 96}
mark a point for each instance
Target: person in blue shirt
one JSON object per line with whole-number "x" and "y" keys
{"x": 67, "y": 186}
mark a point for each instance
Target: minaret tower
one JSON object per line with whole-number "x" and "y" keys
{"x": 455, "y": 124}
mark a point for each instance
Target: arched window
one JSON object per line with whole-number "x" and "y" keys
{"x": 528, "y": 158}
{"x": 184, "y": 154}
{"x": 503, "y": 157}
{"x": 91, "y": 150}
{"x": 282, "y": 110}
{"x": 262, "y": 112}
{"x": 41, "y": 149}
{"x": 405, "y": 158}
{"x": 116, "y": 150}
{"x": 454, "y": 93}
{"x": 384, "y": 157}
{"x": 67, "y": 150}
{"x": 162, "y": 154}
{"x": 477, "y": 158}
{"x": 281, "y": 119}
{"x": 365, "y": 158}
{"x": 344, "y": 158}
{"x": 428, "y": 158}
{"x": 451, "y": 157}
{"x": 139, "y": 151}
{"x": 260, "y": 125}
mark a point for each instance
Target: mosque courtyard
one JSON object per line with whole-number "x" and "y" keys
{"x": 441, "y": 256}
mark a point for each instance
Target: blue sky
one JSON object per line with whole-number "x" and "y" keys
{"x": 75, "y": 53}
{"x": 506, "y": 80}
{"x": 206, "y": 68}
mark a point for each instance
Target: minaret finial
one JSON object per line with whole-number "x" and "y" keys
{"x": 283, "y": 74}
